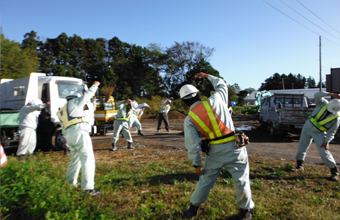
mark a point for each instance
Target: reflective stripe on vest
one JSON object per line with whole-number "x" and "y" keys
{"x": 66, "y": 119}
{"x": 124, "y": 115}
{"x": 319, "y": 124}
{"x": 209, "y": 124}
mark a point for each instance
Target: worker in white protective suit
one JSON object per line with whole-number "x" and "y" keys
{"x": 28, "y": 123}
{"x": 212, "y": 119}
{"x": 138, "y": 112}
{"x": 76, "y": 132}
{"x": 123, "y": 123}
{"x": 321, "y": 127}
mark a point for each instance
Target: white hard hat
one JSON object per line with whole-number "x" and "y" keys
{"x": 35, "y": 102}
{"x": 187, "y": 90}
{"x": 334, "y": 106}
{"x": 134, "y": 104}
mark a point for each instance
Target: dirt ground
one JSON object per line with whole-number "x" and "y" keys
{"x": 261, "y": 143}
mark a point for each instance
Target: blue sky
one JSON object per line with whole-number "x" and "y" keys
{"x": 252, "y": 39}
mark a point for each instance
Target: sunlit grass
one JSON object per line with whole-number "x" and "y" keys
{"x": 158, "y": 186}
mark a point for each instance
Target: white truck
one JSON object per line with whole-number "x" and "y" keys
{"x": 281, "y": 113}
{"x": 54, "y": 89}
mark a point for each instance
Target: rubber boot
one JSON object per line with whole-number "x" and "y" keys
{"x": 335, "y": 174}
{"x": 191, "y": 211}
{"x": 299, "y": 166}
{"x": 22, "y": 158}
{"x": 113, "y": 147}
{"x": 245, "y": 214}
{"x": 130, "y": 146}
{"x": 140, "y": 133}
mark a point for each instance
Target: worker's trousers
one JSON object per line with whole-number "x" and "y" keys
{"x": 136, "y": 122}
{"x": 27, "y": 141}
{"x": 163, "y": 117}
{"x": 235, "y": 160}
{"x": 306, "y": 138}
{"x": 82, "y": 156}
{"x": 121, "y": 126}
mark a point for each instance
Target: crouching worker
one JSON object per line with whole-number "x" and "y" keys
{"x": 76, "y": 132}
{"x": 123, "y": 123}
{"x": 28, "y": 123}
{"x": 321, "y": 127}
{"x": 212, "y": 119}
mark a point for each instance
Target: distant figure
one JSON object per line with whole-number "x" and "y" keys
{"x": 28, "y": 123}
{"x": 163, "y": 114}
{"x": 123, "y": 123}
{"x": 231, "y": 105}
{"x": 321, "y": 127}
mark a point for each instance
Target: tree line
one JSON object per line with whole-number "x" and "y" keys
{"x": 134, "y": 71}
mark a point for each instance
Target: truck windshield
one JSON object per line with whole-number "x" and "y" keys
{"x": 68, "y": 88}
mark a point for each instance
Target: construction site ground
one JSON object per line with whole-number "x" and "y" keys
{"x": 261, "y": 145}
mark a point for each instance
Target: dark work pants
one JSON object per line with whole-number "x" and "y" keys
{"x": 163, "y": 117}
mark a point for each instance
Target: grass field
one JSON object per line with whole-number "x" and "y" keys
{"x": 156, "y": 183}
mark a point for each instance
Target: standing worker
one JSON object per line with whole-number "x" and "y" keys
{"x": 28, "y": 123}
{"x": 321, "y": 127}
{"x": 163, "y": 114}
{"x": 76, "y": 132}
{"x": 212, "y": 119}
{"x": 123, "y": 123}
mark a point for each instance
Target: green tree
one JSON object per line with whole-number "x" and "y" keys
{"x": 15, "y": 61}
{"x": 181, "y": 60}
{"x": 277, "y": 82}
{"x": 310, "y": 82}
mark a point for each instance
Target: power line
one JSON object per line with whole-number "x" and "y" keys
{"x": 299, "y": 22}
{"x": 308, "y": 19}
{"x": 317, "y": 16}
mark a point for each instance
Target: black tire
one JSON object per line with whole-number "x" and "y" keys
{"x": 57, "y": 140}
{"x": 272, "y": 130}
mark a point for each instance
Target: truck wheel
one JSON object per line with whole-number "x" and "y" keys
{"x": 57, "y": 140}
{"x": 272, "y": 130}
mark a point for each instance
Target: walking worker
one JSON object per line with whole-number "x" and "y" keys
{"x": 321, "y": 127}
{"x": 123, "y": 123}
{"x": 76, "y": 132}
{"x": 28, "y": 123}
{"x": 212, "y": 119}
{"x": 163, "y": 114}
{"x": 137, "y": 113}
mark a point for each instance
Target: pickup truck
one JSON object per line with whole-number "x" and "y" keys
{"x": 282, "y": 113}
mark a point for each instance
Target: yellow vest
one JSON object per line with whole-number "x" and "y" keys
{"x": 66, "y": 119}
{"x": 210, "y": 125}
{"x": 124, "y": 115}
{"x": 316, "y": 119}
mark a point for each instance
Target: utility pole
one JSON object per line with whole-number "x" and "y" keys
{"x": 283, "y": 84}
{"x": 320, "y": 63}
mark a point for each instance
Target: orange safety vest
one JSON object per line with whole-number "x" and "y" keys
{"x": 208, "y": 122}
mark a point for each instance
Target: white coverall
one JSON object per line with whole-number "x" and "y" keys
{"x": 310, "y": 132}
{"x": 122, "y": 125}
{"x": 134, "y": 118}
{"x": 80, "y": 143}
{"x": 28, "y": 122}
{"x": 227, "y": 155}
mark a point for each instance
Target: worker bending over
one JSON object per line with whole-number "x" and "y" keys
{"x": 76, "y": 132}
{"x": 28, "y": 123}
{"x": 321, "y": 127}
{"x": 137, "y": 113}
{"x": 212, "y": 119}
{"x": 123, "y": 123}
